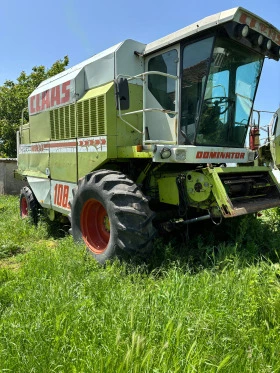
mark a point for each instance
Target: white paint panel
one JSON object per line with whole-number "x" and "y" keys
{"x": 99, "y": 72}
{"x": 84, "y": 145}
{"x": 57, "y": 81}
{"x": 41, "y": 189}
{"x": 203, "y": 154}
{"x": 237, "y": 14}
{"x": 61, "y": 195}
{"x": 66, "y": 75}
{"x": 192, "y": 29}
{"x": 62, "y": 94}
{"x": 52, "y": 194}
{"x": 127, "y": 63}
{"x": 90, "y": 73}
{"x": 160, "y": 125}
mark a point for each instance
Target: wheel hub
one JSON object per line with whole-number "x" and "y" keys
{"x": 24, "y": 207}
{"x": 95, "y": 226}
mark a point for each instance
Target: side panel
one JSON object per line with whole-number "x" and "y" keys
{"x": 92, "y": 152}
{"x": 40, "y": 129}
{"x": 83, "y": 136}
{"x": 61, "y": 94}
{"x": 41, "y": 189}
{"x": 126, "y": 135}
{"x": 61, "y": 196}
{"x": 96, "y": 118}
{"x": 24, "y": 134}
{"x": 33, "y": 159}
{"x": 52, "y": 194}
{"x": 33, "y": 151}
{"x": 127, "y": 62}
{"x": 80, "y": 134}
{"x": 160, "y": 126}
{"x": 63, "y": 160}
{"x": 99, "y": 72}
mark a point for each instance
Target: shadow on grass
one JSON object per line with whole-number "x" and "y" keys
{"x": 245, "y": 240}
{"x": 57, "y": 229}
{"x": 10, "y": 249}
{"x": 203, "y": 245}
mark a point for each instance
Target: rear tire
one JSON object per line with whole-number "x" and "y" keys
{"x": 29, "y": 207}
{"x": 111, "y": 215}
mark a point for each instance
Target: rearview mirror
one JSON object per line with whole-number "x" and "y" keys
{"x": 122, "y": 94}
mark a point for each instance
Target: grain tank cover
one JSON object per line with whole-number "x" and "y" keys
{"x": 71, "y": 84}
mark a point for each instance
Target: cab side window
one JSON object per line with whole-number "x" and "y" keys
{"x": 162, "y": 87}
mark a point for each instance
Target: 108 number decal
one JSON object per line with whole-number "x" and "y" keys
{"x": 61, "y": 194}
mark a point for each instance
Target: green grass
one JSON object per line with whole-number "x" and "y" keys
{"x": 210, "y": 306}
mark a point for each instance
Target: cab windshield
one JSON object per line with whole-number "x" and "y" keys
{"x": 218, "y": 88}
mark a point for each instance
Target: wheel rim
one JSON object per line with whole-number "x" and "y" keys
{"x": 95, "y": 226}
{"x": 24, "y": 207}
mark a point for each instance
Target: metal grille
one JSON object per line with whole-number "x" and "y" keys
{"x": 63, "y": 122}
{"x": 101, "y": 115}
{"x": 91, "y": 117}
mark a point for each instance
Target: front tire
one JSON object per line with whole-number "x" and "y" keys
{"x": 110, "y": 214}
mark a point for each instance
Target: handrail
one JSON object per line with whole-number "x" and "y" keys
{"x": 145, "y": 110}
{"x": 164, "y": 142}
{"x": 140, "y": 76}
{"x": 165, "y": 111}
{"x": 269, "y": 128}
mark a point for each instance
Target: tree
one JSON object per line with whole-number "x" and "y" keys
{"x": 13, "y": 99}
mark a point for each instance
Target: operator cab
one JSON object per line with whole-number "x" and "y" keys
{"x": 217, "y": 72}
{"x": 219, "y": 79}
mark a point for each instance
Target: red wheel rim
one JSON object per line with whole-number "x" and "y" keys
{"x": 95, "y": 226}
{"x": 24, "y": 207}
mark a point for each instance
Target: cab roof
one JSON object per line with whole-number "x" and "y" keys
{"x": 237, "y": 14}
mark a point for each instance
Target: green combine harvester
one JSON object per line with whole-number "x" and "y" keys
{"x": 142, "y": 138}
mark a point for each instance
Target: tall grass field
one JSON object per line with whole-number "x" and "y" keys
{"x": 209, "y": 302}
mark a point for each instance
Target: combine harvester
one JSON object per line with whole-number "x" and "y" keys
{"x": 137, "y": 138}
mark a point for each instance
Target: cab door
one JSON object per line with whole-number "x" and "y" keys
{"x": 161, "y": 97}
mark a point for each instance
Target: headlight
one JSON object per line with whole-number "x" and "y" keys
{"x": 165, "y": 153}
{"x": 241, "y": 31}
{"x": 260, "y": 40}
{"x": 245, "y": 31}
{"x": 268, "y": 44}
{"x": 256, "y": 38}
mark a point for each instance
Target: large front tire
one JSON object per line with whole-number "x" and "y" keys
{"x": 110, "y": 214}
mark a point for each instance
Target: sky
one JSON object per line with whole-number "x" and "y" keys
{"x": 38, "y": 32}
